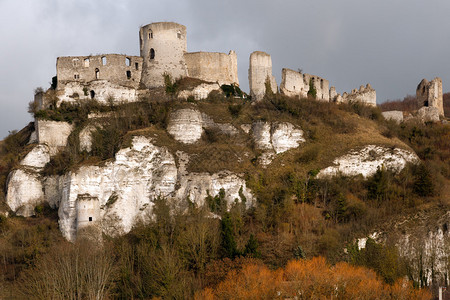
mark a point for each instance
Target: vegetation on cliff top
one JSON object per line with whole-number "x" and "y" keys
{"x": 177, "y": 255}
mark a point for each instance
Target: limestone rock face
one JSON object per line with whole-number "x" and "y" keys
{"x": 366, "y": 161}
{"x": 428, "y": 114}
{"x": 125, "y": 189}
{"x": 395, "y": 115}
{"x": 423, "y": 240}
{"x": 275, "y": 138}
{"x": 52, "y": 133}
{"x": 85, "y": 138}
{"x": 24, "y": 192}
{"x": 37, "y": 158}
{"x": 187, "y": 125}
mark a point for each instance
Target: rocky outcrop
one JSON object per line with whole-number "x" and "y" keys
{"x": 275, "y": 138}
{"x": 24, "y": 192}
{"x": 366, "y": 161}
{"x": 125, "y": 189}
{"x": 52, "y": 133}
{"x": 24, "y": 186}
{"x": 187, "y": 125}
{"x": 423, "y": 241}
{"x": 394, "y": 115}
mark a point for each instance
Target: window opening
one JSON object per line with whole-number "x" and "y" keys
{"x": 152, "y": 53}
{"x": 104, "y": 60}
{"x": 75, "y": 62}
{"x": 129, "y": 74}
{"x": 92, "y": 94}
{"x": 97, "y": 73}
{"x": 150, "y": 34}
{"x": 86, "y": 62}
{"x": 127, "y": 61}
{"x": 137, "y": 66}
{"x": 90, "y": 219}
{"x": 179, "y": 35}
{"x": 76, "y": 76}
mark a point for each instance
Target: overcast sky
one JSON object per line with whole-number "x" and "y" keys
{"x": 390, "y": 44}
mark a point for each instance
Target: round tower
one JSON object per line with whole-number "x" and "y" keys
{"x": 162, "y": 46}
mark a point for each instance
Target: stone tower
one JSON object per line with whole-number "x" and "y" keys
{"x": 162, "y": 47}
{"x": 259, "y": 72}
{"x": 429, "y": 94}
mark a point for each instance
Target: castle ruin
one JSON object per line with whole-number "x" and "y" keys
{"x": 118, "y": 78}
{"x": 429, "y": 94}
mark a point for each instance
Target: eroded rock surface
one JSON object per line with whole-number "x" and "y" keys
{"x": 366, "y": 161}
{"x": 24, "y": 192}
{"x": 125, "y": 189}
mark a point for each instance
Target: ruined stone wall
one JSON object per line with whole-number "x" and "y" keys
{"x": 322, "y": 86}
{"x": 429, "y": 94}
{"x": 162, "y": 47}
{"x": 259, "y": 71}
{"x": 213, "y": 66}
{"x": 366, "y": 95}
{"x": 119, "y": 69}
{"x": 293, "y": 84}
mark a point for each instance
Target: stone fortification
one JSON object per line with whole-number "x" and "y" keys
{"x": 162, "y": 47}
{"x": 321, "y": 85}
{"x": 366, "y": 95}
{"x": 297, "y": 84}
{"x": 88, "y": 210}
{"x": 293, "y": 84}
{"x": 429, "y": 94}
{"x": 259, "y": 72}
{"x": 213, "y": 66}
{"x": 116, "y": 68}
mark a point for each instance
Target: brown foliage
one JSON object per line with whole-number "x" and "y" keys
{"x": 309, "y": 279}
{"x": 409, "y": 103}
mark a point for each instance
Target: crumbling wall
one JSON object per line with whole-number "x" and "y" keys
{"x": 119, "y": 69}
{"x": 162, "y": 47}
{"x": 321, "y": 85}
{"x": 429, "y": 94}
{"x": 213, "y": 67}
{"x": 293, "y": 83}
{"x": 366, "y": 95}
{"x": 259, "y": 72}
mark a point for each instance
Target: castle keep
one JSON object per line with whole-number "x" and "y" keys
{"x": 118, "y": 78}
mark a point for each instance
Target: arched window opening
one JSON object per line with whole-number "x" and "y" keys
{"x": 128, "y": 74}
{"x": 136, "y": 65}
{"x": 104, "y": 60}
{"x": 76, "y": 76}
{"x": 97, "y": 73}
{"x": 150, "y": 34}
{"x": 152, "y": 53}
{"x": 321, "y": 83}
{"x": 86, "y": 62}
{"x": 127, "y": 61}
{"x": 92, "y": 94}
{"x": 179, "y": 34}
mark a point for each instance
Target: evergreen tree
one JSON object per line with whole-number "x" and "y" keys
{"x": 228, "y": 243}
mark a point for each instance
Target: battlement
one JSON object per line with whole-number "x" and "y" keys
{"x": 118, "y": 69}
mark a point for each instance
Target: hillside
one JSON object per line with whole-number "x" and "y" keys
{"x": 232, "y": 182}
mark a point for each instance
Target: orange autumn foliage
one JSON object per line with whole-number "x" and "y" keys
{"x": 309, "y": 279}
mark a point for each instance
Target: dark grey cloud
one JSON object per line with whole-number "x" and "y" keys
{"x": 391, "y": 44}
